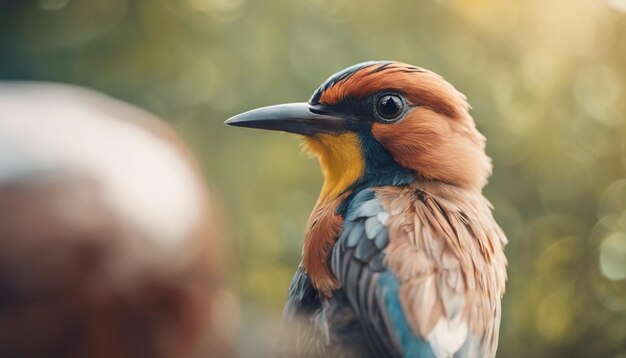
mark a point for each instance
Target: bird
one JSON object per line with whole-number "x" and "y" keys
{"x": 110, "y": 240}
{"x": 402, "y": 256}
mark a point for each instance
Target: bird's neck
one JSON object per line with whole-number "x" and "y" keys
{"x": 342, "y": 164}
{"x": 341, "y": 160}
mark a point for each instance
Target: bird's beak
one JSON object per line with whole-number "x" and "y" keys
{"x": 299, "y": 118}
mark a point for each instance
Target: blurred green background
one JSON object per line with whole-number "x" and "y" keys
{"x": 546, "y": 79}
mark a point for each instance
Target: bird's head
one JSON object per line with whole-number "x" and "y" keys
{"x": 383, "y": 123}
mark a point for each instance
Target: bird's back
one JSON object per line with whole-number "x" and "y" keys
{"x": 421, "y": 270}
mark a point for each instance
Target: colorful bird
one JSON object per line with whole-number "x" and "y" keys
{"x": 402, "y": 256}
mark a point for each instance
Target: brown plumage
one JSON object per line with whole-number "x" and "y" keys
{"x": 438, "y": 138}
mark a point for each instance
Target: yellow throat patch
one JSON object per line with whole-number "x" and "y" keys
{"x": 341, "y": 160}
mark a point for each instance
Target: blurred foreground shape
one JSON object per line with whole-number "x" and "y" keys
{"x": 547, "y": 82}
{"x": 109, "y": 245}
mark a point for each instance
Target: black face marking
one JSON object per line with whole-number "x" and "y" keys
{"x": 362, "y": 112}
{"x": 380, "y": 167}
{"x": 365, "y": 110}
{"x": 343, "y": 75}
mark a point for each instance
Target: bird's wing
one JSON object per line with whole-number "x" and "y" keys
{"x": 406, "y": 267}
{"x": 319, "y": 328}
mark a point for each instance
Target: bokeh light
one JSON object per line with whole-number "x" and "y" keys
{"x": 547, "y": 84}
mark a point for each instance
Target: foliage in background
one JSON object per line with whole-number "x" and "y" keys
{"x": 546, "y": 79}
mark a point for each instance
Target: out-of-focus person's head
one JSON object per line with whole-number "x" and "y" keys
{"x": 109, "y": 246}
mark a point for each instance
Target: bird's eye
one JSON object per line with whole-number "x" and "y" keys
{"x": 389, "y": 107}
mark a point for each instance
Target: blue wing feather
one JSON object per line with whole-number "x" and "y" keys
{"x": 411, "y": 345}
{"x": 358, "y": 263}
